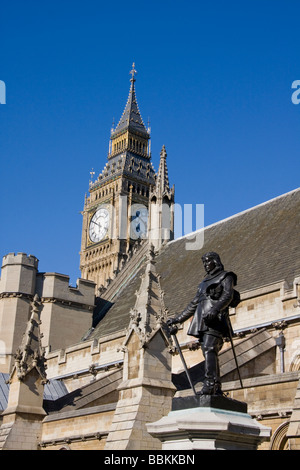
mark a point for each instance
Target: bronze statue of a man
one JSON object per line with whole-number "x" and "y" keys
{"x": 211, "y": 320}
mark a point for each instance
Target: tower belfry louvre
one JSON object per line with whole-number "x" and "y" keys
{"x": 115, "y": 213}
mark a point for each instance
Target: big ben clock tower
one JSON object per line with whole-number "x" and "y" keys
{"x": 115, "y": 212}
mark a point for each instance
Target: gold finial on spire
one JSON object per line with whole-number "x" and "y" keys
{"x": 133, "y": 72}
{"x": 92, "y": 173}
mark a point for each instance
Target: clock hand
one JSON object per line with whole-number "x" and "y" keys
{"x": 93, "y": 222}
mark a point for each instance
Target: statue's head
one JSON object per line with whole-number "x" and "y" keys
{"x": 212, "y": 261}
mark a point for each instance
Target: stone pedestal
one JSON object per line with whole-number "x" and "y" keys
{"x": 208, "y": 423}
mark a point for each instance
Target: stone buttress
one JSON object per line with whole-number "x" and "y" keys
{"x": 146, "y": 391}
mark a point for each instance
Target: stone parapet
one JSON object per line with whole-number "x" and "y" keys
{"x": 20, "y": 258}
{"x": 56, "y": 286}
{"x": 18, "y": 273}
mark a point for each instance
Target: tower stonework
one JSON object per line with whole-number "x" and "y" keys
{"x": 115, "y": 197}
{"x": 161, "y": 206}
{"x": 17, "y": 288}
{"x": 62, "y": 305}
{"x": 147, "y": 390}
{"x": 115, "y": 213}
{"x": 22, "y": 419}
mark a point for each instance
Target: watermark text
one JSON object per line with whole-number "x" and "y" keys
{"x": 2, "y": 92}
{"x": 158, "y": 222}
{"x": 296, "y": 94}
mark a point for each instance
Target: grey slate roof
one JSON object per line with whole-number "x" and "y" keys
{"x": 3, "y": 391}
{"x": 126, "y": 164}
{"x": 261, "y": 245}
{"x": 89, "y": 394}
{"x": 131, "y": 117}
{"x": 117, "y": 318}
{"x": 53, "y": 390}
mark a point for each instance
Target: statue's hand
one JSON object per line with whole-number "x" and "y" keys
{"x": 171, "y": 323}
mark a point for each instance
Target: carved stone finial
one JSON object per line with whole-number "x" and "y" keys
{"x": 149, "y": 313}
{"x": 31, "y": 355}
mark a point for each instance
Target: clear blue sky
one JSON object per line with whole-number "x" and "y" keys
{"x": 213, "y": 77}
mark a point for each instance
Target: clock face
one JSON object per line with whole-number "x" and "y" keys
{"x": 99, "y": 225}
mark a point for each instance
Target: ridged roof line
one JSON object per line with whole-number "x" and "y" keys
{"x": 190, "y": 234}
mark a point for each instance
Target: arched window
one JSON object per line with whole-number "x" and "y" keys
{"x": 279, "y": 439}
{"x": 295, "y": 362}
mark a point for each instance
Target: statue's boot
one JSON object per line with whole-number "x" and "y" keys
{"x": 211, "y": 346}
{"x": 211, "y": 387}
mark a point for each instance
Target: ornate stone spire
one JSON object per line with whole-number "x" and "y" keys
{"x": 131, "y": 118}
{"x": 147, "y": 371}
{"x": 161, "y": 197}
{"x": 162, "y": 181}
{"x": 149, "y": 314}
{"x": 22, "y": 418}
{"x": 31, "y": 355}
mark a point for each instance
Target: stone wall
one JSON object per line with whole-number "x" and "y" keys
{"x": 17, "y": 288}
{"x": 84, "y": 429}
{"x": 66, "y": 311}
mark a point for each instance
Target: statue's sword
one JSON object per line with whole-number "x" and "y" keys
{"x": 173, "y": 332}
{"x": 233, "y": 350}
